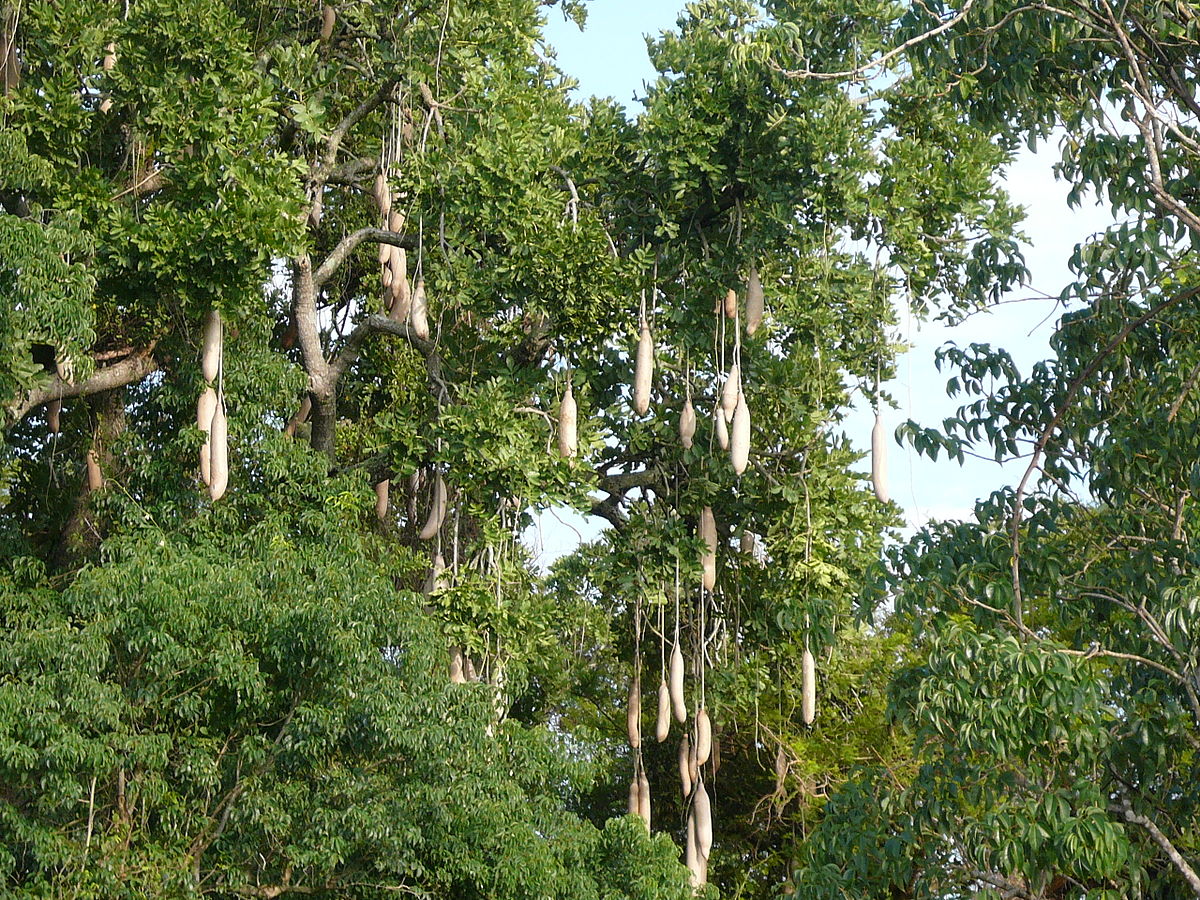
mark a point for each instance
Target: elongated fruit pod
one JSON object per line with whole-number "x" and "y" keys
{"x": 110, "y": 57}
{"x": 435, "y": 580}
{"x": 382, "y": 489}
{"x": 754, "y": 301}
{"x": 328, "y": 20}
{"x": 693, "y": 766}
{"x": 721, "y": 428}
{"x": 633, "y": 712}
{"x": 678, "y": 705}
{"x": 879, "y": 460}
{"x": 385, "y": 253}
{"x": 739, "y": 437}
{"x": 634, "y": 798}
{"x": 395, "y": 221}
{"x": 643, "y": 370}
{"x": 456, "y": 666}
{"x": 715, "y": 759}
{"x": 691, "y": 854}
{"x": 210, "y": 352}
{"x": 206, "y": 407}
{"x": 703, "y": 736}
{"x": 687, "y": 424}
{"x": 95, "y": 478}
{"x": 730, "y": 303}
{"x": 685, "y": 768}
{"x": 662, "y": 725}
{"x": 808, "y": 688}
{"x": 568, "y": 444}
{"x": 707, "y": 530}
{"x": 399, "y": 295}
{"x": 418, "y": 317}
{"x": 643, "y": 784}
{"x": 437, "y": 510}
{"x": 781, "y": 768}
{"x": 383, "y": 195}
{"x": 730, "y": 392}
{"x": 219, "y": 454}
{"x": 54, "y": 416}
{"x": 441, "y": 581}
{"x": 704, "y": 830}
{"x": 747, "y": 542}
{"x": 385, "y": 276}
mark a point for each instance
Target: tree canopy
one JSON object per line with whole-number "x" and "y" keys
{"x": 312, "y": 311}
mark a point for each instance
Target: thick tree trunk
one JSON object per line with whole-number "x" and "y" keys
{"x": 322, "y": 381}
{"x": 323, "y": 420}
{"x": 81, "y": 534}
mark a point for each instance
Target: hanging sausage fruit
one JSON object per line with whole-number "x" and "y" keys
{"x": 219, "y": 459}
{"x": 687, "y": 424}
{"x": 754, "y": 301}
{"x": 708, "y": 534}
{"x": 739, "y": 439}
{"x": 210, "y": 409}
{"x": 437, "y": 510}
{"x": 633, "y": 712}
{"x": 879, "y": 460}
{"x": 808, "y": 687}
{"x": 678, "y": 704}
{"x": 703, "y": 736}
{"x": 568, "y": 443}
{"x": 643, "y": 369}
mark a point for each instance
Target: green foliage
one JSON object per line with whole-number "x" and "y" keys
{"x": 1052, "y": 704}
{"x": 271, "y": 711}
{"x": 247, "y": 696}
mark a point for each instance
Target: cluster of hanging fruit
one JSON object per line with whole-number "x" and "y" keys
{"x": 731, "y": 427}
{"x": 407, "y": 302}
{"x": 403, "y": 303}
{"x": 697, "y": 747}
{"x": 438, "y": 578}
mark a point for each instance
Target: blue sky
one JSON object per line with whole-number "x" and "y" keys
{"x": 608, "y": 58}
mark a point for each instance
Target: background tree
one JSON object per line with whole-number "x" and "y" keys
{"x": 260, "y": 702}
{"x": 1052, "y": 702}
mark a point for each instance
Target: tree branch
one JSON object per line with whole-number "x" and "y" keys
{"x": 128, "y": 371}
{"x": 1181, "y": 865}
{"x": 615, "y": 486}
{"x": 619, "y": 484}
{"x": 360, "y": 112}
{"x": 884, "y": 58}
{"x": 347, "y": 245}
{"x": 609, "y": 508}
{"x": 1007, "y": 889}
{"x": 304, "y": 313}
{"x": 348, "y": 172}
{"x": 350, "y": 349}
